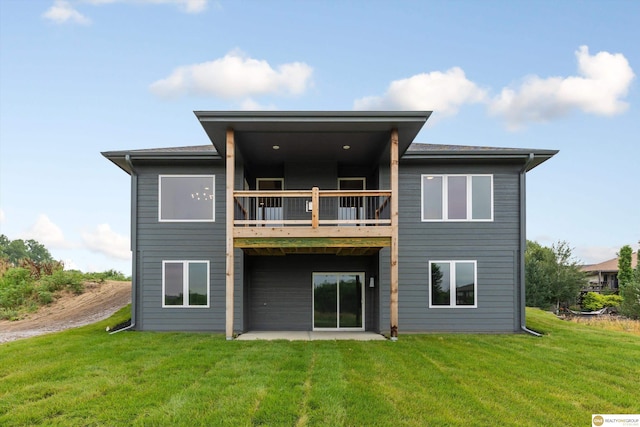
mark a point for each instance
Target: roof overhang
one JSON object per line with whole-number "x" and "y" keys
{"x": 124, "y": 159}
{"x": 312, "y": 134}
{"x": 530, "y": 157}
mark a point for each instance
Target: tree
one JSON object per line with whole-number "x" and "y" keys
{"x": 636, "y": 272}
{"x": 538, "y": 262}
{"x": 37, "y": 252}
{"x": 15, "y": 250}
{"x": 552, "y": 275}
{"x": 4, "y": 244}
{"x": 629, "y": 282}
{"x": 625, "y": 273}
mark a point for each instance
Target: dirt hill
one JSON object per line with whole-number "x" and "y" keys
{"x": 99, "y": 301}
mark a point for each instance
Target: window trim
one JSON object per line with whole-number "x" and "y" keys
{"x": 452, "y": 297}
{"x": 445, "y": 198}
{"x": 185, "y": 282}
{"x": 213, "y": 201}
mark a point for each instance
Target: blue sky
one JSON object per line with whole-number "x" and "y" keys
{"x": 78, "y": 77}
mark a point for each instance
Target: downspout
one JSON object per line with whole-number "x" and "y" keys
{"x": 134, "y": 244}
{"x": 523, "y": 244}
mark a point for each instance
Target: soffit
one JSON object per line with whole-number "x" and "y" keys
{"x": 311, "y": 135}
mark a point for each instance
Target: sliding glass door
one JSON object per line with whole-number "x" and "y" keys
{"x": 338, "y": 301}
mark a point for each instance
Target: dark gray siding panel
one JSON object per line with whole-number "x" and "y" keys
{"x": 279, "y": 289}
{"x": 385, "y": 280}
{"x": 304, "y": 176}
{"x": 279, "y": 294}
{"x": 182, "y": 241}
{"x": 494, "y": 245}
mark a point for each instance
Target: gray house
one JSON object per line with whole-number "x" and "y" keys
{"x": 327, "y": 221}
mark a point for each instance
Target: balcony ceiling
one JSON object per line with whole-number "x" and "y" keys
{"x": 349, "y": 148}
{"x": 311, "y": 136}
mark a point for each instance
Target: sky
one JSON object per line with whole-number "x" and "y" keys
{"x": 78, "y": 77}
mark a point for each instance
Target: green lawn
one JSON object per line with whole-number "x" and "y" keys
{"x": 87, "y": 377}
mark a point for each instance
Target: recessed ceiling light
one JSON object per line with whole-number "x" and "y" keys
{"x": 346, "y": 147}
{"x": 276, "y": 147}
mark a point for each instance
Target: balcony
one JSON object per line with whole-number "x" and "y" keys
{"x": 312, "y": 221}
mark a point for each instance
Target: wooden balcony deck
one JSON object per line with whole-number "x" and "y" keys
{"x": 314, "y": 221}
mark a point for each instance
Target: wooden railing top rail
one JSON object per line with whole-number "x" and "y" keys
{"x": 308, "y": 193}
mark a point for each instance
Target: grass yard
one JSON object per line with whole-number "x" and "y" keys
{"x": 87, "y": 377}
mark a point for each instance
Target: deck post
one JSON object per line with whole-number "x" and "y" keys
{"x": 315, "y": 207}
{"x": 230, "y": 185}
{"x": 393, "y": 297}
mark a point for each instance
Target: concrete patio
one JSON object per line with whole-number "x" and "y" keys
{"x": 310, "y": 336}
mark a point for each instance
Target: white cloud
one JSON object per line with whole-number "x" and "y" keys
{"x": 442, "y": 92}
{"x": 189, "y": 6}
{"x": 106, "y": 241}
{"x": 596, "y": 254}
{"x": 46, "y": 232}
{"x": 61, "y": 12}
{"x": 2, "y": 216}
{"x": 603, "y": 80}
{"x": 250, "y": 104}
{"x": 235, "y": 76}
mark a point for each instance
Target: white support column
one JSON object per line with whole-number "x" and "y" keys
{"x": 229, "y": 247}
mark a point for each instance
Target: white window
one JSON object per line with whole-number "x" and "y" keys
{"x": 185, "y": 284}
{"x": 186, "y": 198}
{"x": 453, "y": 284}
{"x": 457, "y": 197}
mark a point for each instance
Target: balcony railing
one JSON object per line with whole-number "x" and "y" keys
{"x": 315, "y": 208}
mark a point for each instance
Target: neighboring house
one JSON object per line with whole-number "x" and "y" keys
{"x": 327, "y": 221}
{"x": 604, "y": 276}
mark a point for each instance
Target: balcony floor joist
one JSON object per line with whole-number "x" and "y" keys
{"x": 278, "y": 246}
{"x": 287, "y": 233}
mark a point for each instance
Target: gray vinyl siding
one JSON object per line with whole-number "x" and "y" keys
{"x": 279, "y": 289}
{"x": 275, "y": 292}
{"x": 305, "y": 176}
{"x": 494, "y": 245}
{"x": 161, "y": 241}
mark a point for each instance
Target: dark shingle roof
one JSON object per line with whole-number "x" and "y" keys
{"x": 208, "y": 148}
{"x": 423, "y": 147}
{"x": 442, "y": 151}
{"x": 415, "y": 150}
{"x": 189, "y": 152}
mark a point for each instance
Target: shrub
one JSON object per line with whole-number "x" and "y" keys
{"x": 40, "y": 269}
{"x": 44, "y": 296}
{"x": 630, "y": 306}
{"x": 21, "y": 291}
{"x": 106, "y": 275}
{"x": 61, "y": 279}
{"x": 9, "y": 314}
{"x": 594, "y": 302}
{"x": 16, "y": 286}
{"x": 4, "y": 266}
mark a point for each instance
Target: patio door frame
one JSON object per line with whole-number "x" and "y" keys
{"x": 338, "y": 274}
